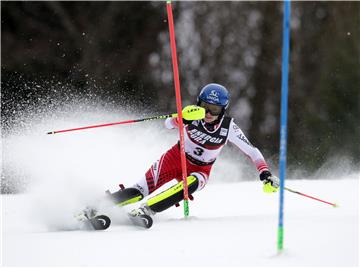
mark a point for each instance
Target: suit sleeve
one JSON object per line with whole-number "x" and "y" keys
{"x": 237, "y": 137}
{"x": 171, "y": 123}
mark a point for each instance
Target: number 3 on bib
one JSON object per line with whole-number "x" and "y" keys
{"x": 198, "y": 151}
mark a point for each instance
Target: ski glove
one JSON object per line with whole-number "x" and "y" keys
{"x": 191, "y": 113}
{"x": 271, "y": 183}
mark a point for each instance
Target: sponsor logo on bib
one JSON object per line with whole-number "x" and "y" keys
{"x": 223, "y": 131}
{"x": 202, "y": 138}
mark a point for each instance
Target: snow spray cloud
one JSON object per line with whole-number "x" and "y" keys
{"x": 33, "y": 158}
{"x": 62, "y": 173}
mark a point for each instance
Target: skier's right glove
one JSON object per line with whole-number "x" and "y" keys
{"x": 271, "y": 183}
{"x": 191, "y": 113}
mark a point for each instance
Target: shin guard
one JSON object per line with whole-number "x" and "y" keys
{"x": 173, "y": 195}
{"x": 126, "y": 196}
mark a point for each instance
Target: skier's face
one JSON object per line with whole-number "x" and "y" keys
{"x": 212, "y": 111}
{"x": 209, "y": 118}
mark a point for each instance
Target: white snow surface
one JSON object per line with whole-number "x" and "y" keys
{"x": 231, "y": 223}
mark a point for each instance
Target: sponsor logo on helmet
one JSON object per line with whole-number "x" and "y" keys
{"x": 214, "y": 96}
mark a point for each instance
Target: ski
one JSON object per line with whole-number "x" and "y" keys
{"x": 100, "y": 222}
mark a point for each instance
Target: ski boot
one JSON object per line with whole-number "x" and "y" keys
{"x": 92, "y": 221}
{"x": 142, "y": 216}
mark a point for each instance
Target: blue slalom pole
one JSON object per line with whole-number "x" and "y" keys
{"x": 283, "y": 123}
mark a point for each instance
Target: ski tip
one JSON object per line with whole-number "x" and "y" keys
{"x": 335, "y": 205}
{"x": 147, "y": 221}
{"x": 51, "y": 132}
{"x": 100, "y": 222}
{"x": 142, "y": 220}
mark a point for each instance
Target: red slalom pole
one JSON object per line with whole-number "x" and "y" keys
{"x": 115, "y": 123}
{"x": 308, "y": 196}
{"x": 178, "y": 104}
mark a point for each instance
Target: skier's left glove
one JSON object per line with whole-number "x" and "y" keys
{"x": 271, "y": 183}
{"x": 191, "y": 113}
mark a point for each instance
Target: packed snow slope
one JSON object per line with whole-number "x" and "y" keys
{"x": 232, "y": 222}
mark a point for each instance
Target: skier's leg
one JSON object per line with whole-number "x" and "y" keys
{"x": 161, "y": 172}
{"x": 198, "y": 178}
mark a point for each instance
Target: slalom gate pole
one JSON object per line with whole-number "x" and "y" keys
{"x": 115, "y": 123}
{"x": 283, "y": 124}
{"x": 309, "y": 196}
{"x": 178, "y": 104}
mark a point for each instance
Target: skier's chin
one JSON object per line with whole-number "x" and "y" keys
{"x": 210, "y": 119}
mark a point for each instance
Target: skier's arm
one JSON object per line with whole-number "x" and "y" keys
{"x": 171, "y": 123}
{"x": 237, "y": 137}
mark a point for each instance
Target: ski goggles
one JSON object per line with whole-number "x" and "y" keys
{"x": 211, "y": 108}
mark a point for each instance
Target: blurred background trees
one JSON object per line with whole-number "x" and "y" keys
{"x": 120, "y": 50}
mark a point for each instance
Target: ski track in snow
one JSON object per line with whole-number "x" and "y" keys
{"x": 230, "y": 224}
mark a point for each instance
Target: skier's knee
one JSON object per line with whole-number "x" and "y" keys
{"x": 126, "y": 196}
{"x": 201, "y": 178}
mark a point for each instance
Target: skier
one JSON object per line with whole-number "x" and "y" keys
{"x": 204, "y": 138}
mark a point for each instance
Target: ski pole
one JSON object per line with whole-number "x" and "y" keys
{"x": 317, "y": 199}
{"x": 115, "y": 123}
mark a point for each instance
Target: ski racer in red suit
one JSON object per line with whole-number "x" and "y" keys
{"x": 204, "y": 140}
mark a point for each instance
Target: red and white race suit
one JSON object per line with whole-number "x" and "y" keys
{"x": 202, "y": 147}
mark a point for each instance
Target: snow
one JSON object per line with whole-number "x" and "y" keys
{"x": 231, "y": 223}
